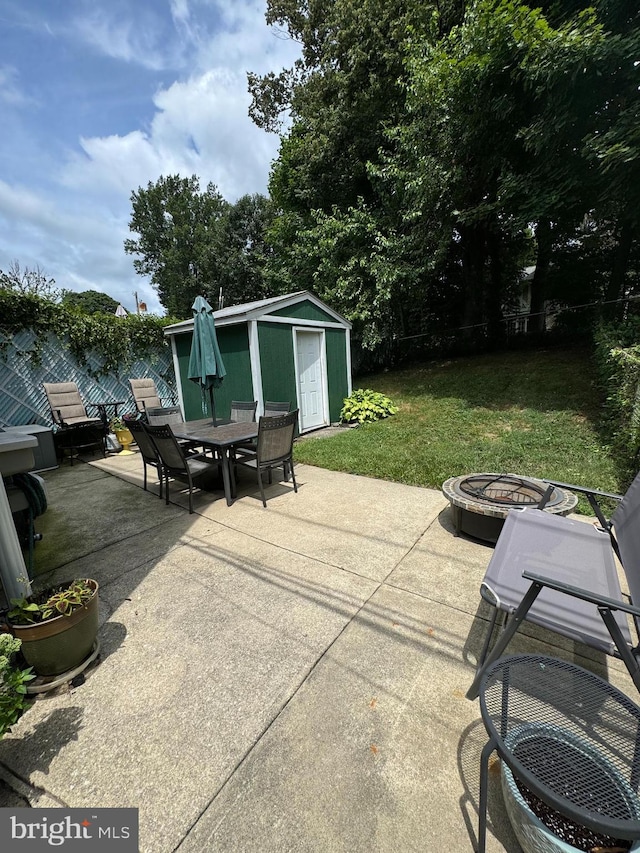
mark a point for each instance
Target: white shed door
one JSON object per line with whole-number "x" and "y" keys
{"x": 310, "y": 379}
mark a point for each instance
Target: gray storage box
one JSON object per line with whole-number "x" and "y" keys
{"x": 44, "y": 455}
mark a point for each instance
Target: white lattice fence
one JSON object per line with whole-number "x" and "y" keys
{"x": 22, "y": 400}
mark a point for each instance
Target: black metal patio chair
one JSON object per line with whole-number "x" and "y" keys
{"x": 561, "y": 573}
{"x": 197, "y": 471}
{"x": 147, "y": 451}
{"x": 274, "y": 448}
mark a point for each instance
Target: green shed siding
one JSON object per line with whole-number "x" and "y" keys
{"x": 277, "y": 362}
{"x": 237, "y": 384}
{"x": 337, "y": 380}
{"x": 304, "y": 310}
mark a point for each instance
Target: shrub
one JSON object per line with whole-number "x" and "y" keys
{"x": 617, "y": 356}
{"x": 13, "y": 680}
{"x": 366, "y": 405}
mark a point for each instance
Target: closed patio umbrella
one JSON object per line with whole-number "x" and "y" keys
{"x": 205, "y": 362}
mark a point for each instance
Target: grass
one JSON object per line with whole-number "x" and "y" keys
{"x": 530, "y": 413}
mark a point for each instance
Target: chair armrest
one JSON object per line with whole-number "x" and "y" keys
{"x": 585, "y": 595}
{"x": 592, "y": 497}
{"x": 60, "y": 420}
{"x": 583, "y": 490}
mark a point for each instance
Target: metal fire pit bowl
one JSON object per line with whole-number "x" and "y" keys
{"x": 480, "y": 502}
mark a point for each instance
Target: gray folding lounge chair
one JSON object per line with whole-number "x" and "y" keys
{"x": 561, "y": 573}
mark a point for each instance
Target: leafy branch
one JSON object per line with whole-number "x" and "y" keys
{"x": 116, "y": 341}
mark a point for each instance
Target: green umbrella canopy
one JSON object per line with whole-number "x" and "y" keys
{"x": 205, "y": 362}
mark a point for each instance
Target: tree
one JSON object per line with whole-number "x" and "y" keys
{"x": 331, "y": 231}
{"x": 90, "y": 301}
{"x": 244, "y": 250}
{"x": 430, "y": 141}
{"x": 29, "y": 280}
{"x": 179, "y": 239}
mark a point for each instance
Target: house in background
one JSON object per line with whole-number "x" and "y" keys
{"x": 519, "y": 321}
{"x": 291, "y": 347}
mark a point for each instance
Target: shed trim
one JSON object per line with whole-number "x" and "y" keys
{"x": 256, "y": 367}
{"x": 261, "y": 309}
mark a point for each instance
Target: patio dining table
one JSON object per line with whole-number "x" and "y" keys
{"x": 221, "y": 439}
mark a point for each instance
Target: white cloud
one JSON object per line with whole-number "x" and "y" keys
{"x": 126, "y": 39}
{"x": 10, "y": 92}
{"x": 200, "y": 127}
{"x": 72, "y": 217}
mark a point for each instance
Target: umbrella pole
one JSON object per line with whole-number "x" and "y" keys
{"x": 213, "y": 406}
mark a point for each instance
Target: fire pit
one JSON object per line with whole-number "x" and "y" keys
{"x": 480, "y": 502}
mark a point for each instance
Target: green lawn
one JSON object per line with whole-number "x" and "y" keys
{"x": 532, "y": 413}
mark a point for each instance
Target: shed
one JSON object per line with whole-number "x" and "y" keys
{"x": 291, "y": 347}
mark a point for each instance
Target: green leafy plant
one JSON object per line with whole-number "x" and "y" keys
{"x": 13, "y": 681}
{"x": 366, "y": 405}
{"x": 61, "y": 601}
{"x": 117, "y": 423}
{"x": 100, "y": 343}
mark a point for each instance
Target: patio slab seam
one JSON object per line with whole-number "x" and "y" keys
{"x": 308, "y": 674}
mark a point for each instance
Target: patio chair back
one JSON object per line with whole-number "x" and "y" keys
{"x": 65, "y": 403}
{"x": 275, "y": 439}
{"x": 147, "y": 450}
{"x": 167, "y": 448}
{"x": 145, "y": 394}
{"x": 164, "y": 415}
{"x": 272, "y": 410}
{"x": 242, "y": 412}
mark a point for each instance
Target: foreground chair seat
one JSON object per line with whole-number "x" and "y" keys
{"x": 562, "y": 574}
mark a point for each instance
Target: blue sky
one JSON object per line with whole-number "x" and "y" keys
{"x": 99, "y": 97}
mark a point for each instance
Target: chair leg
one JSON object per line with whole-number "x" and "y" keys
{"x": 293, "y": 475}
{"x": 264, "y": 500}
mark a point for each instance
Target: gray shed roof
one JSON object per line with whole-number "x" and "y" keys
{"x": 255, "y": 310}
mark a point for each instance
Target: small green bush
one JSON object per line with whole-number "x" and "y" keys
{"x": 366, "y": 405}
{"x": 13, "y": 690}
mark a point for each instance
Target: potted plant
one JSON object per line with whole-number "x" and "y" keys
{"x": 118, "y": 426}
{"x": 57, "y": 627}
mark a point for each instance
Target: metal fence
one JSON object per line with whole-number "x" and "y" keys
{"x": 22, "y": 398}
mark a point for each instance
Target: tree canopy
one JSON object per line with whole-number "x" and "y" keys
{"x": 90, "y": 301}
{"x": 435, "y": 149}
{"x": 191, "y": 241}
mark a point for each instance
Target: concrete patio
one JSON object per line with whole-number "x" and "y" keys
{"x": 281, "y": 679}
